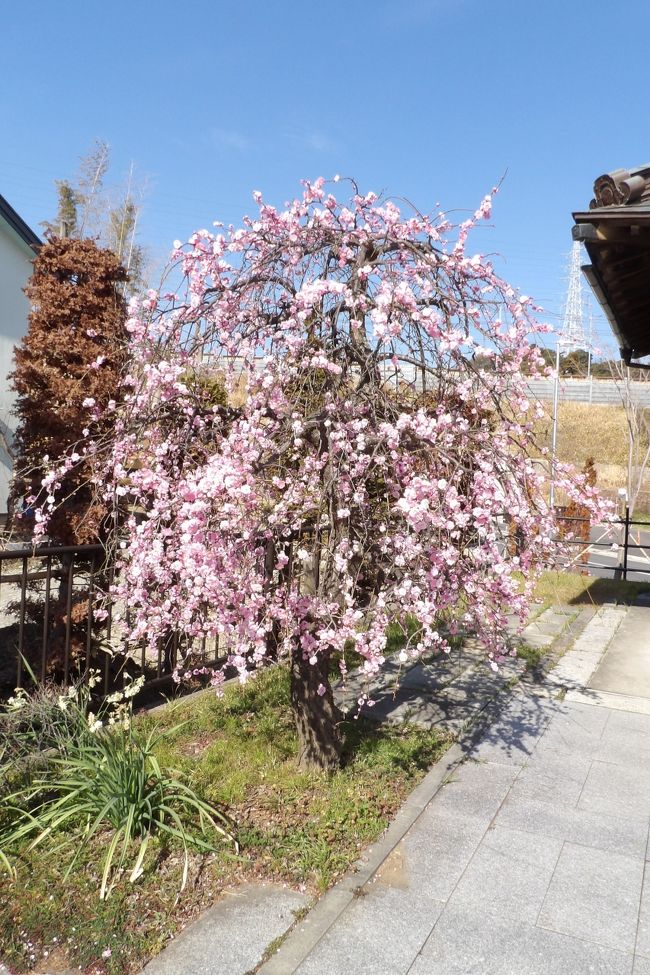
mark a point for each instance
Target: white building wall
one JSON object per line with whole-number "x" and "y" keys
{"x": 15, "y": 270}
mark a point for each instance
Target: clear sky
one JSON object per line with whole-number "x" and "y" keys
{"x": 433, "y": 100}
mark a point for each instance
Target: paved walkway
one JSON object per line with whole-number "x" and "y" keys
{"x": 530, "y": 858}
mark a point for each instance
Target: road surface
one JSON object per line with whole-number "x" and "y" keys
{"x": 605, "y": 553}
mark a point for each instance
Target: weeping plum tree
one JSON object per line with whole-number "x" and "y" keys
{"x": 360, "y": 469}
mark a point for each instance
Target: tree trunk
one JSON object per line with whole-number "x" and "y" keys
{"x": 316, "y": 715}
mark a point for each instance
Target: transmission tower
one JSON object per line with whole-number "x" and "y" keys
{"x": 572, "y": 333}
{"x": 571, "y": 336}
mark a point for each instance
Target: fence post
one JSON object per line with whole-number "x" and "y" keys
{"x": 626, "y": 540}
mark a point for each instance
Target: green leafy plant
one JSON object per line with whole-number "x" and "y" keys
{"x": 105, "y": 776}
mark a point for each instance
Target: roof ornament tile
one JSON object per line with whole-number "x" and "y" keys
{"x": 621, "y": 187}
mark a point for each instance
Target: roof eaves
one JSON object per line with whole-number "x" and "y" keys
{"x": 18, "y": 225}
{"x": 628, "y": 214}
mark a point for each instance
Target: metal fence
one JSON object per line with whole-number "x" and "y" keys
{"x": 604, "y": 392}
{"x": 55, "y": 623}
{"x": 587, "y": 549}
{"x": 40, "y": 596}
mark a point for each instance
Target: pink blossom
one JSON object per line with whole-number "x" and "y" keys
{"x": 330, "y": 496}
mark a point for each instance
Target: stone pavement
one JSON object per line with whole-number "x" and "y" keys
{"x": 448, "y": 691}
{"x": 529, "y": 857}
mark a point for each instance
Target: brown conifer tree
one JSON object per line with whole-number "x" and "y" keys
{"x": 73, "y": 352}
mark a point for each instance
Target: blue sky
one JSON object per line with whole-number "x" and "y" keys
{"x": 433, "y": 100}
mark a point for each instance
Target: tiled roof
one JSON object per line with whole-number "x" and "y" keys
{"x": 622, "y": 187}
{"x": 615, "y": 231}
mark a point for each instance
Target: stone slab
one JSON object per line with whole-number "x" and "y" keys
{"x": 578, "y": 719}
{"x": 622, "y": 749}
{"x": 233, "y": 935}
{"x": 625, "y": 836}
{"x": 642, "y": 946}
{"x": 626, "y": 667}
{"x": 616, "y": 790}
{"x": 548, "y": 777}
{"x": 594, "y": 895}
{"x": 466, "y": 943}
{"x": 607, "y": 699}
{"x": 633, "y": 725}
{"x": 509, "y": 874}
{"x": 577, "y": 730}
{"x": 380, "y": 931}
{"x": 512, "y": 739}
{"x": 476, "y": 789}
{"x": 435, "y": 852}
{"x": 451, "y": 709}
{"x": 551, "y": 953}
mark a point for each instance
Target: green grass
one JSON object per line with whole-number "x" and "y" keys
{"x": 640, "y": 517}
{"x": 532, "y": 655}
{"x": 292, "y": 825}
{"x": 568, "y": 588}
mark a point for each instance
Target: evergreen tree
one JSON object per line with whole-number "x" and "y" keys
{"x": 65, "y": 224}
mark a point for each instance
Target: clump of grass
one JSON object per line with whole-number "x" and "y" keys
{"x": 31, "y": 724}
{"x": 533, "y": 656}
{"x": 398, "y": 634}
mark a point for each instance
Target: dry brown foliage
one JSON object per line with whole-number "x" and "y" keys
{"x": 78, "y": 314}
{"x": 586, "y": 431}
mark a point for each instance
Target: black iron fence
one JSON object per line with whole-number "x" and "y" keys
{"x": 56, "y": 623}
{"x": 47, "y": 606}
{"x": 614, "y": 550}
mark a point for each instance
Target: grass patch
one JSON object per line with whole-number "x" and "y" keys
{"x": 305, "y": 828}
{"x": 532, "y": 655}
{"x": 568, "y": 588}
{"x": 639, "y": 517}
